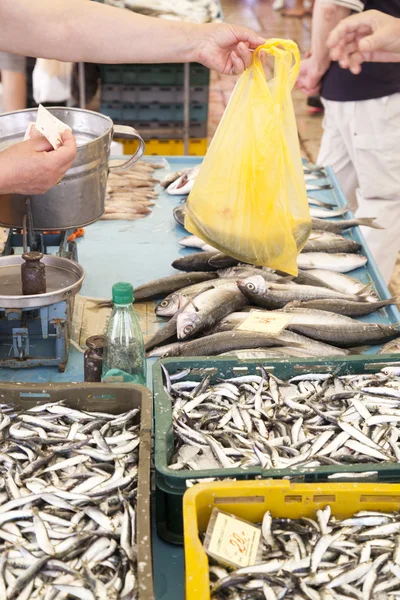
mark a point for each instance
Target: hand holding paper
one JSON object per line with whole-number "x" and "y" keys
{"x": 34, "y": 166}
{"x": 47, "y": 125}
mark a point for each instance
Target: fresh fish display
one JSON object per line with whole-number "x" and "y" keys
{"x": 207, "y": 316}
{"x": 192, "y": 241}
{"x": 184, "y": 183}
{"x": 325, "y": 241}
{"x": 277, "y": 295}
{"x": 216, "y": 304}
{"x": 392, "y": 347}
{"x": 314, "y": 419}
{"x": 169, "y": 284}
{"x": 171, "y": 177}
{"x": 181, "y": 298}
{"x": 323, "y": 558}
{"x": 201, "y": 11}
{"x": 343, "y": 283}
{"x": 67, "y": 504}
{"x": 341, "y": 262}
{"x": 316, "y": 187}
{"x": 316, "y": 202}
{"x": 321, "y": 213}
{"x": 347, "y": 308}
{"x": 338, "y": 226}
{"x": 131, "y": 194}
{"x": 204, "y": 261}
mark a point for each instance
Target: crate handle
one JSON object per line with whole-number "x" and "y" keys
{"x": 239, "y": 500}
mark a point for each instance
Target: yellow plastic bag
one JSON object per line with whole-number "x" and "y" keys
{"x": 249, "y": 199}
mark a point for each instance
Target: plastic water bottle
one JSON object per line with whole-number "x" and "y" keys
{"x": 124, "y": 355}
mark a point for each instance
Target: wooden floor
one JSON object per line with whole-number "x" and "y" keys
{"x": 259, "y": 16}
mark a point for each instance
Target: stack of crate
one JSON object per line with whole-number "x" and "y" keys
{"x": 150, "y": 98}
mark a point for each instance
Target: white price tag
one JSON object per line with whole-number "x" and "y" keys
{"x": 266, "y": 322}
{"x": 232, "y": 541}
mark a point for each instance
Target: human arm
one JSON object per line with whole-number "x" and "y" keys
{"x": 84, "y": 31}
{"x": 372, "y": 36}
{"x": 326, "y": 16}
{"x": 33, "y": 167}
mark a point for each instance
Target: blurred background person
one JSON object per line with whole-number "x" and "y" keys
{"x": 361, "y": 126}
{"x": 372, "y": 36}
{"x": 14, "y": 81}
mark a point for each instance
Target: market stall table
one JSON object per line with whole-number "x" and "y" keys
{"x": 139, "y": 251}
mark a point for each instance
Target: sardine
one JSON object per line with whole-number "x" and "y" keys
{"x": 344, "y": 307}
{"x": 338, "y": 226}
{"x": 169, "y": 284}
{"x": 340, "y": 262}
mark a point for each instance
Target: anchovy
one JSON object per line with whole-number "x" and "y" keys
{"x": 63, "y": 497}
{"x": 313, "y": 419}
{"x": 298, "y": 561}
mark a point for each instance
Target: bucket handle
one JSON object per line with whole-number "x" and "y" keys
{"x": 129, "y": 133}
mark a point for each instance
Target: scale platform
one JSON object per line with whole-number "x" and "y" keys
{"x": 35, "y": 330}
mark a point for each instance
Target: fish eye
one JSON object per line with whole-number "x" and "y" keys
{"x": 164, "y": 303}
{"x": 187, "y": 329}
{"x": 251, "y": 286}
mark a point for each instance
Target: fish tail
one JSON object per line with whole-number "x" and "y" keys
{"x": 369, "y": 222}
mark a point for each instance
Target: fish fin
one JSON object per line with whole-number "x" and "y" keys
{"x": 358, "y": 349}
{"x": 369, "y": 222}
{"x": 366, "y": 290}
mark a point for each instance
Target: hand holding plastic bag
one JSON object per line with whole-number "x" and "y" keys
{"x": 249, "y": 199}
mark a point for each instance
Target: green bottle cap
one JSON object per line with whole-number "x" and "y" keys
{"x": 122, "y": 293}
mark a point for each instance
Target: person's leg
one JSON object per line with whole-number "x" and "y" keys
{"x": 334, "y": 150}
{"x": 377, "y": 161}
{"x": 14, "y": 90}
{"x": 13, "y": 78}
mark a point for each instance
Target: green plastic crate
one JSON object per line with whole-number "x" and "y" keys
{"x": 171, "y": 485}
{"x": 170, "y": 74}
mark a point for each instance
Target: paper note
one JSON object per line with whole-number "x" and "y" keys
{"x": 47, "y": 125}
{"x": 266, "y": 322}
{"x": 234, "y": 541}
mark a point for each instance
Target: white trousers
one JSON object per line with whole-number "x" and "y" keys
{"x": 361, "y": 141}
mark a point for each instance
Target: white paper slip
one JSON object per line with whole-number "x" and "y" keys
{"x": 51, "y": 127}
{"x": 232, "y": 541}
{"x": 30, "y": 131}
{"x": 266, "y": 322}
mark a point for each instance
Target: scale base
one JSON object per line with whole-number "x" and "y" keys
{"x": 36, "y": 337}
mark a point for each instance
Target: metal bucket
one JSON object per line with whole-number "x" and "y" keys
{"x": 79, "y": 199}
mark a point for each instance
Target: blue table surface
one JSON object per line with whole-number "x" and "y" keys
{"x": 138, "y": 251}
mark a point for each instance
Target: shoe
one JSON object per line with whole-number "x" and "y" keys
{"x": 315, "y": 105}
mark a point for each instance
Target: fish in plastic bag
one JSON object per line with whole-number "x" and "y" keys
{"x": 249, "y": 199}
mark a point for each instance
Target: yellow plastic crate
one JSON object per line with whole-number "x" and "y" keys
{"x": 251, "y": 499}
{"x": 167, "y": 147}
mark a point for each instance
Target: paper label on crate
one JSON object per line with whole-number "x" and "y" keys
{"x": 49, "y": 126}
{"x": 266, "y": 322}
{"x": 234, "y": 541}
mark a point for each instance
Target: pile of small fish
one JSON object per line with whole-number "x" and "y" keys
{"x": 68, "y": 490}
{"x": 200, "y": 11}
{"x": 130, "y": 194}
{"x": 208, "y": 302}
{"x": 260, "y": 421}
{"x": 319, "y": 559}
